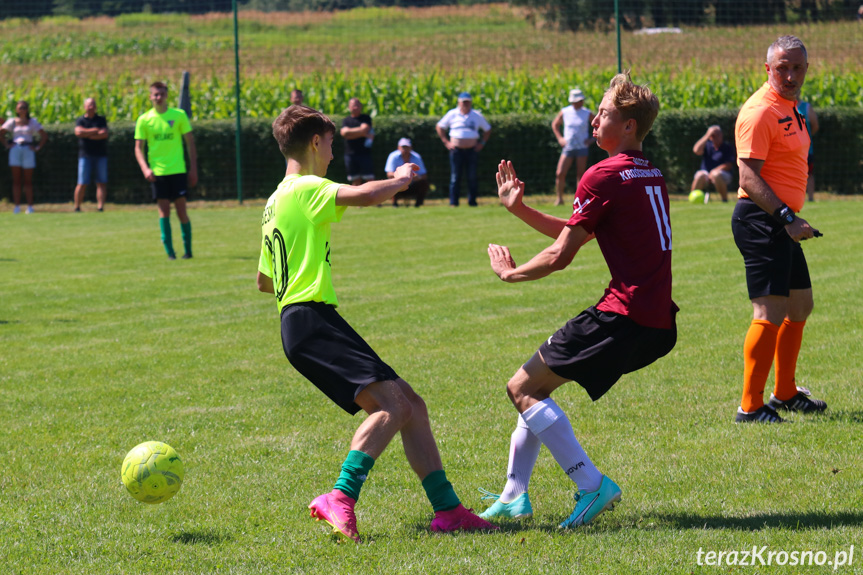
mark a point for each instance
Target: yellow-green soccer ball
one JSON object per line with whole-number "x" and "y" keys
{"x": 696, "y": 197}
{"x": 152, "y": 472}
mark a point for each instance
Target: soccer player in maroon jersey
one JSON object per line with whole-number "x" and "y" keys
{"x": 623, "y": 202}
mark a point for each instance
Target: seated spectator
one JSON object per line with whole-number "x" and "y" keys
{"x": 717, "y": 163}
{"x": 420, "y": 185}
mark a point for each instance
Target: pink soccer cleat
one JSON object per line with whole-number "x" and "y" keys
{"x": 337, "y": 509}
{"x": 459, "y": 519}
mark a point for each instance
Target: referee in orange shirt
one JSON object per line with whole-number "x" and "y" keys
{"x": 772, "y": 146}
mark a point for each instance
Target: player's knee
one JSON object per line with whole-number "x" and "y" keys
{"x": 400, "y": 409}
{"x": 515, "y": 393}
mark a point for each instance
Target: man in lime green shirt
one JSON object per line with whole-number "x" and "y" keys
{"x": 295, "y": 265}
{"x": 164, "y": 130}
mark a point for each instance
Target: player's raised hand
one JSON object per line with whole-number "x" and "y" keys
{"x": 510, "y": 189}
{"x": 500, "y": 258}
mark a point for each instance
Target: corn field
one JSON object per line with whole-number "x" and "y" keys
{"x": 397, "y": 61}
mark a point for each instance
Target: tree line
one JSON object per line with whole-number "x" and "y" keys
{"x": 564, "y": 14}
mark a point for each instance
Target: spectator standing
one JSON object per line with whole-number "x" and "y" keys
{"x": 717, "y": 163}
{"x": 92, "y": 132}
{"x": 575, "y": 120}
{"x": 358, "y": 134}
{"x": 22, "y": 152}
{"x": 806, "y": 110}
{"x": 419, "y": 185}
{"x": 163, "y": 131}
{"x": 465, "y": 132}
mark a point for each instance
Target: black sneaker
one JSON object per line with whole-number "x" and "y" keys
{"x": 172, "y": 257}
{"x": 800, "y": 402}
{"x": 187, "y": 256}
{"x": 764, "y": 414}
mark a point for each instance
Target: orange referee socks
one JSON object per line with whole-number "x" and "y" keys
{"x": 787, "y": 349}
{"x": 758, "y": 350}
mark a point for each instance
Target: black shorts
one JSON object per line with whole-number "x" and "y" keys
{"x": 170, "y": 187}
{"x": 775, "y": 263}
{"x": 596, "y": 348}
{"x": 359, "y": 166}
{"x": 327, "y": 351}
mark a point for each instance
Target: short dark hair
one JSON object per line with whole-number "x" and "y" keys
{"x": 296, "y": 126}
{"x": 159, "y": 86}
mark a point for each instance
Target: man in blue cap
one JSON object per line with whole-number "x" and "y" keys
{"x": 464, "y": 132}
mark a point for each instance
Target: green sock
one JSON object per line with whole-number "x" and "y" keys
{"x": 440, "y": 492}
{"x": 187, "y": 236}
{"x": 355, "y": 469}
{"x": 165, "y": 226}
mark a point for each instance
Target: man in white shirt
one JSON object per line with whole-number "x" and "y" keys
{"x": 459, "y": 130}
{"x": 419, "y": 186}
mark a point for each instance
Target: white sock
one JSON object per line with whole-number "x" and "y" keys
{"x": 548, "y": 422}
{"x": 523, "y": 451}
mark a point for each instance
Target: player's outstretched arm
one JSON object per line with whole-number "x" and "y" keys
{"x": 374, "y": 193}
{"x": 510, "y": 190}
{"x": 553, "y": 258}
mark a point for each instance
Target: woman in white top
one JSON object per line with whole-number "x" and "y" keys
{"x": 575, "y": 140}
{"x": 22, "y": 152}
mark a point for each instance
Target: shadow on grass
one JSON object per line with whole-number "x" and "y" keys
{"x": 759, "y": 521}
{"x": 850, "y": 416}
{"x": 201, "y": 537}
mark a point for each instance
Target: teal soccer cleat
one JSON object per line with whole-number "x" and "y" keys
{"x": 518, "y": 508}
{"x": 589, "y": 504}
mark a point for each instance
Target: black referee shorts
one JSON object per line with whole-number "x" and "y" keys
{"x": 170, "y": 187}
{"x": 775, "y": 263}
{"x": 327, "y": 351}
{"x": 596, "y": 348}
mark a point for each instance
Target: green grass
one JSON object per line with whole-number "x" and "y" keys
{"x": 106, "y": 344}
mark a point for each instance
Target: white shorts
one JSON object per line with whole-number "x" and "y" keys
{"x": 22, "y": 157}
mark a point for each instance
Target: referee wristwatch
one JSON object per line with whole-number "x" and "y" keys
{"x": 785, "y": 215}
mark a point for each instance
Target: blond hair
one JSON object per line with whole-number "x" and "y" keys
{"x": 634, "y": 102}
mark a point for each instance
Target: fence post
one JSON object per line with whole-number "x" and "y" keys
{"x": 617, "y": 23}
{"x": 237, "y": 92}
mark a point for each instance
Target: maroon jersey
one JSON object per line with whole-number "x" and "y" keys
{"x": 624, "y": 202}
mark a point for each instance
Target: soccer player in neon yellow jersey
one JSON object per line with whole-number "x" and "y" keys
{"x": 295, "y": 266}
{"x": 164, "y": 130}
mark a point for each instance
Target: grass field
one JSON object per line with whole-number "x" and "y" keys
{"x": 398, "y": 60}
{"x": 106, "y": 343}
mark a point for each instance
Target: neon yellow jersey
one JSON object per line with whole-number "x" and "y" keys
{"x": 295, "y": 247}
{"x": 164, "y": 136}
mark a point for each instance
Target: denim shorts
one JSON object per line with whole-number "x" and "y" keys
{"x": 87, "y": 165}
{"x": 576, "y": 153}
{"x": 22, "y": 157}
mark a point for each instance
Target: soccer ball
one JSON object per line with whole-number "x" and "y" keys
{"x": 696, "y": 197}
{"x": 152, "y": 472}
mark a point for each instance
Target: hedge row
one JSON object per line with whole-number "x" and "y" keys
{"x": 526, "y": 139}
